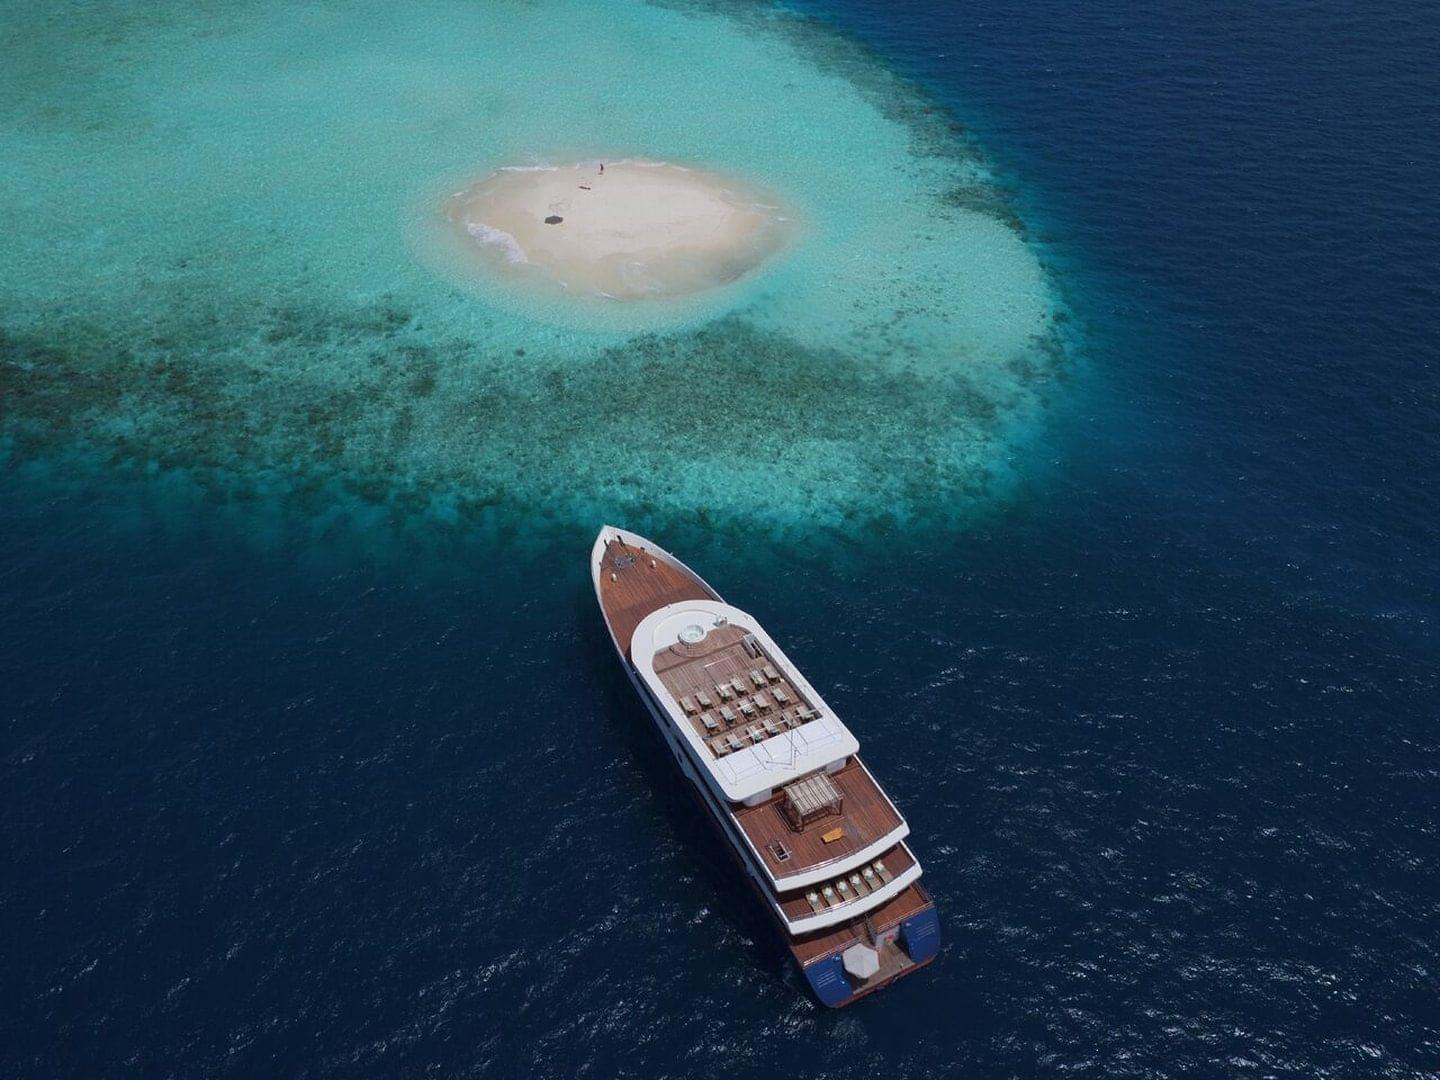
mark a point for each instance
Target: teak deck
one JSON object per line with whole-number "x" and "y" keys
{"x": 897, "y": 860}
{"x": 689, "y": 670}
{"x": 641, "y": 584}
{"x": 867, "y": 816}
{"x": 810, "y": 947}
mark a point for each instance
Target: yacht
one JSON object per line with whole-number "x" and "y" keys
{"x": 776, "y": 770}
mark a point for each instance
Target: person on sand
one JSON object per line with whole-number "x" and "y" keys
{"x": 602, "y": 168}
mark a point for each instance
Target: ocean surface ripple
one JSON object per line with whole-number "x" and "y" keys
{"x": 299, "y": 782}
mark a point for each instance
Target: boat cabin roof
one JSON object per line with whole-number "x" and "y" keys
{"x": 750, "y": 716}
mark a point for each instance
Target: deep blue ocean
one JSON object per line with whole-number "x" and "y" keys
{"x": 280, "y": 801}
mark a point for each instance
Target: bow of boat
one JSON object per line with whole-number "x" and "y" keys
{"x": 633, "y": 577}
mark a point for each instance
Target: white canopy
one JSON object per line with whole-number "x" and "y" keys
{"x": 861, "y": 960}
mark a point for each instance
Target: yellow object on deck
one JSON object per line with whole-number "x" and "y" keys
{"x": 831, "y": 836}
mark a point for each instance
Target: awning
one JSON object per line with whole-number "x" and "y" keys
{"x": 861, "y": 961}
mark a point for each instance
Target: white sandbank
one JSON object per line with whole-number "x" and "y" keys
{"x": 637, "y": 230}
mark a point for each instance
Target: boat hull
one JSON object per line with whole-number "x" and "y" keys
{"x": 825, "y": 974}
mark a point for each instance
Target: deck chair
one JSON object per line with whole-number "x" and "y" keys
{"x": 770, "y": 727}
{"x": 727, "y": 714}
{"x": 761, "y": 701}
{"x": 757, "y": 678}
{"x": 814, "y": 901}
{"x": 687, "y": 704}
{"x": 831, "y": 899}
{"x": 733, "y": 741}
{"x": 885, "y": 875}
{"x": 703, "y": 698}
{"x": 747, "y": 710}
{"x": 771, "y": 673}
{"x": 709, "y": 722}
{"x": 723, "y": 689}
{"x": 780, "y": 695}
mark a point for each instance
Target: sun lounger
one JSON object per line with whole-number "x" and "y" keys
{"x": 843, "y": 888}
{"x": 830, "y": 898}
{"x": 780, "y": 695}
{"x": 815, "y": 905}
{"x": 723, "y": 689}
{"x": 740, "y": 687}
{"x": 687, "y": 704}
{"x": 771, "y": 673}
{"x": 755, "y": 735}
{"x": 885, "y": 875}
{"x": 871, "y": 881}
{"x": 757, "y": 678}
{"x": 858, "y": 884}
{"x": 727, "y": 714}
{"x": 719, "y": 746}
{"x": 733, "y": 741}
{"x": 709, "y": 722}
{"x": 703, "y": 698}
{"x": 770, "y": 727}
{"x": 747, "y": 710}
{"x": 761, "y": 701}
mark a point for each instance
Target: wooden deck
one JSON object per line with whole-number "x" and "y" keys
{"x": 811, "y": 947}
{"x": 867, "y": 816}
{"x": 633, "y": 583}
{"x": 897, "y": 860}
{"x": 721, "y": 659}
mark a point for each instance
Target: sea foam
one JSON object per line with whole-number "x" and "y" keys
{"x": 487, "y": 234}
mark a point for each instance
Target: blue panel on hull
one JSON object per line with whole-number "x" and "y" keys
{"x": 921, "y": 935}
{"x": 827, "y": 979}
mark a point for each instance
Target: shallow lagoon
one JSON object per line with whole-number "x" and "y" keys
{"x": 1163, "y": 726}
{"x": 219, "y": 268}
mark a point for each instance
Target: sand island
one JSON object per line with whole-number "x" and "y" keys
{"x": 622, "y": 230}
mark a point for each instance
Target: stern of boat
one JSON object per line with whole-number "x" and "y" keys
{"x": 875, "y": 958}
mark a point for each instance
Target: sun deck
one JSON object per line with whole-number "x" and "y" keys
{"x": 866, "y": 819}
{"x": 770, "y": 745}
{"x": 813, "y": 946}
{"x": 848, "y": 892}
{"x": 731, "y": 692}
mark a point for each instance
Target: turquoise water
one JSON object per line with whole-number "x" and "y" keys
{"x": 222, "y": 268}
{"x": 1161, "y": 715}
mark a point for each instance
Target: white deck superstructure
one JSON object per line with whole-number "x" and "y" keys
{"x": 756, "y": 769}
{"x": 778, "y": 770}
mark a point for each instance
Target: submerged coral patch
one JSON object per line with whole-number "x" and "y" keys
{"x": 242, "y": 300}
